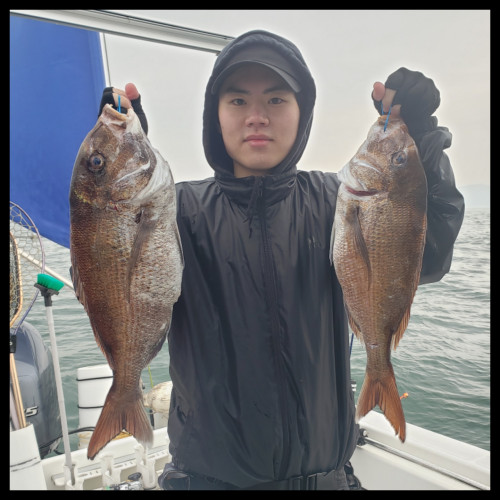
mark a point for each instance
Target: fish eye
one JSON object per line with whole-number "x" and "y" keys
{"x": 96, "y": 162}
{"x": 398, "y": 159}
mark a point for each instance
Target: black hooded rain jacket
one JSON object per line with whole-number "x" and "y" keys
{"x": 259, "y": 344}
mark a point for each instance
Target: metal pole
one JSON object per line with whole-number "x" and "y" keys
{"x": 68, "y": 471}
{"x": 140, "y": 28}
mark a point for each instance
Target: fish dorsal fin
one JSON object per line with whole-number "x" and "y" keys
{"x": 75, "y": 278}
{"x": 179, "y": 242}
{"x": 105, "y": 350}
{"x": 80, "y": 295}
{"x": 354, "y": 326}
{"x": 332, "y": 242}
{"x": 398, "y": 334}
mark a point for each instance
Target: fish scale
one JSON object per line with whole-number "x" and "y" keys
{"x": 126, "y": 259}
{"x": 377, "y": 244}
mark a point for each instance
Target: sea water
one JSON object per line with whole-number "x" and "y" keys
{"x": 442, "y": 361}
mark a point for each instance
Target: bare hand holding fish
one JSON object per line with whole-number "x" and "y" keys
{"x": 127, "y": 260}
{"x": 377, "y": 247}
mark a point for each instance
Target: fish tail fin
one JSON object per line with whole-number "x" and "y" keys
{"x": 384, "y": 393}
{"x": 120, "y": 413}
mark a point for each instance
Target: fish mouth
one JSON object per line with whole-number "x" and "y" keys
{"x": 119, "y": 122}
{"x": 355, "y": 192}
{"x": 114, "y": 113}
{"x": 352, "y": 183}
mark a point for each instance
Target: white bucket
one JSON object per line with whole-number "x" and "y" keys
{"x": 94, "y": 383}
{"x": 26, "y": 471}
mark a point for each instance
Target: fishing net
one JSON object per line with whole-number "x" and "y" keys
{"x": 26, "y": 258}
{"x": 16, "y": 292}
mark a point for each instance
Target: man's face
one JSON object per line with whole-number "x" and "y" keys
{"x": 259, "y": 119}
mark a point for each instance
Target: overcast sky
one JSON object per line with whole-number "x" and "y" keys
{"x": 346, "y": 51}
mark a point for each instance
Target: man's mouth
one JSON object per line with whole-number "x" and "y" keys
{"x": 258, "y": 140}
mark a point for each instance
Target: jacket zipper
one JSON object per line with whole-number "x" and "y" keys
{"x": 271, "y": 294}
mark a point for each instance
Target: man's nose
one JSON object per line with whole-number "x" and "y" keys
{"x": 257, "y": 116}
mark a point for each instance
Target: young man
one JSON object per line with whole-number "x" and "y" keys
{"x": 259, "y": 349}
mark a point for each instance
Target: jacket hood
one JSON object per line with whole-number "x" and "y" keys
{"x": 213, "y": 144}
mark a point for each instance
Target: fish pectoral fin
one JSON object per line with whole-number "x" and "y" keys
{"x": 145, "y": 227}
{"x": 358, "y": 240}
{"x": 360, "y": 243}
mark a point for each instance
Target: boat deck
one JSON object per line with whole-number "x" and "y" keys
{"x": 426, "y": 461}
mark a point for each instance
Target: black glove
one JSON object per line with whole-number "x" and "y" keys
{"x": 107, "y": 98}
{"x": 418, "y": 96}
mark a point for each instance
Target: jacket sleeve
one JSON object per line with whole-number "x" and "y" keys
{"x": 445, "y": 205}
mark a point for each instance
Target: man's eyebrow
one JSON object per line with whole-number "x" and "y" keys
{"x": 236, "y": 90}
{"x": 278, "y": 88}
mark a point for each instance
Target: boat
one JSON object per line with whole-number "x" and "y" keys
{"x": 426, "y": 461}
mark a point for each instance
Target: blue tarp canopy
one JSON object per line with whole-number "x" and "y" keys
{"x": 56, "y": 82}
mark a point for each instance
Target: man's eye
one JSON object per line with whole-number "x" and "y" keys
{"x": 238, "y": 101}
{"x": 276, "y": 100}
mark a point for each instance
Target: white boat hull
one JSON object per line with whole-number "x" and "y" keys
{"x": 425, "y": 461}
{"x": 112, "y": 465}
